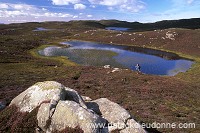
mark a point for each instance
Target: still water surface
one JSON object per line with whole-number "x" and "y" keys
{"x": 97, "y": 54}
{"x": 118, "y": 28}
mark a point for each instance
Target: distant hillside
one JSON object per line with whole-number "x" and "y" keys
{"x": 87, "y": 23}
{"x": 182, "y": 23}
{"x": 117, "y": 23}
{"x": 193, "y": 23}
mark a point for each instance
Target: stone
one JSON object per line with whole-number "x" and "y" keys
{"x": 73, "y": 95}
{"x": 71, "y": 114}
{"x": 45, "y": 91}
{"x": 133, "y": 127}
{"x": 86, "y": 99}
{"x": 43, "y": 116}
{"x": 110, "y": 111}
{"x": 115, "y": 70}
{"x": 61, "y": 107}
{"x": 106, "y": 66}
{"x": 36, "y": 94}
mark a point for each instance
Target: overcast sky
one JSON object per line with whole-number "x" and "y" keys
{"x": 12, "y": 11}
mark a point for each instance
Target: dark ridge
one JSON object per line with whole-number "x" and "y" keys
{"x": 117, "y": 23}
{"x": 193, "y": 23}
{"x": 87, "y": 23}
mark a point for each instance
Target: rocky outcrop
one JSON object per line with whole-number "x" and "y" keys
{"x": 118, "y": 117}
{"x": 61, "y": 107}
{"x": 86, "y": 99}
{"x": 132, "y": 127}
{"x": 43, "y": 116}
{"x": 75, "y": 115}
{"x": 48, "y": 91}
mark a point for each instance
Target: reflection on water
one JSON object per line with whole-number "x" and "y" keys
{"x": 42, "y": 29}
{"x": 95, "y": 54}
{"x": 117, "y": 28}
{"x": 166, "y": 55}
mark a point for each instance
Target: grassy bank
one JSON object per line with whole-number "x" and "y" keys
{"x": 62, "y": 59}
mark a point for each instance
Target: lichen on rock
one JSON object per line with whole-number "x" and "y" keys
{"x": 61, "y": 108}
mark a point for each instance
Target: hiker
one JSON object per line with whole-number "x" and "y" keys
{"x": 138, "y": 67}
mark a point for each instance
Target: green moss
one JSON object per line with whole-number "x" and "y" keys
{"x": 48, "y": 85}
{"x": 192, "y": 75}
{"x": 76, "y": 75}
{"x": 62, "y": 59}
